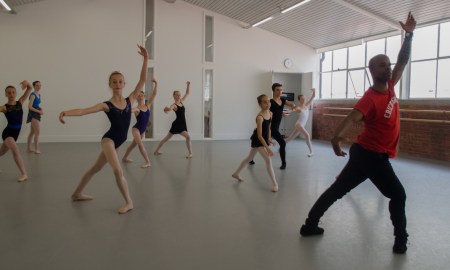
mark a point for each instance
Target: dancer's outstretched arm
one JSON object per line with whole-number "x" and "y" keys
{"x": 132, "y": 97}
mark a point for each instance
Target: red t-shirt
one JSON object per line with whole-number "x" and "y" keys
{"x": 381, "y": 121}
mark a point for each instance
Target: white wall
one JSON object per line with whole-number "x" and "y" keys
{"x": 73, "y": 45}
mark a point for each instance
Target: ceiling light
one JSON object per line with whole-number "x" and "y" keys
{"x": 295, "y": 6}
{"x": 261, "y": 22}
{"x": 5, "y": 5}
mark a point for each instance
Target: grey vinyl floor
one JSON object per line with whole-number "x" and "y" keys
{"x": 190, "y": 214}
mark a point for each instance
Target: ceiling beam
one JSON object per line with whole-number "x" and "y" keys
{"x": 11, "y": 11}
{"x": 367, "y": 13}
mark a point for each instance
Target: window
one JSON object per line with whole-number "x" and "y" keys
{"x": 149, "y": 27}
{"x": 344, "y": 72}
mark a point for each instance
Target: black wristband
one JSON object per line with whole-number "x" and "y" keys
{"x": 409, "y": 34}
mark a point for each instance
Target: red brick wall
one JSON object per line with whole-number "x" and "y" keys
{"x": 427, "y": 140}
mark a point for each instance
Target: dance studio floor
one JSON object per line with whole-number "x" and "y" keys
{"x": 190, "y": 214}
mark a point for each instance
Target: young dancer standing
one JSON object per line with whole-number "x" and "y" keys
{"x": 369, "y": 156}
{"x": 179, "y": 125}
{"x": 34, "y": 117}
{"x": 261, "y": 140}
{"x": 303, "y": 114}
{"x": 118, "y": 109}
{"x": 142, "y": 112}
{"x": 14, "y": 114}
{"x": 276, "y": 107}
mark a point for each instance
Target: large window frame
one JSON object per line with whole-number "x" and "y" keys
{"x": 331, "y": 84}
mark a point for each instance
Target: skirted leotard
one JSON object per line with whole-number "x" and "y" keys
{"x": 265, "y": 133}
{"x": 36, "y": 105}
{"x": 14, "y": 115}
{"x": 120, "y": 122}
{"x": 179, "y": 124}
{"x": 142, "y": 120}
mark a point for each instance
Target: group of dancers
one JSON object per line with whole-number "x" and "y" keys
{"x": 369, "y": 155}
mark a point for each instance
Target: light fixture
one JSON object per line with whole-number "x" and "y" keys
{"x": 295, "y": 6}
{"x": 5, "y": 5}
{"x": 263, "y": 21}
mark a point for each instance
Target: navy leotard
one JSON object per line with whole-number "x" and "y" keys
{"x": 265, "y": 133}
{"x": 179, "y": 125}
{"x": 14, "y": 115}
{"x": 120, "y": 122}
{"x": 142, "y": 120}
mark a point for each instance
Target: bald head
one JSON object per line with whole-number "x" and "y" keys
{"x": 374, "y": 61}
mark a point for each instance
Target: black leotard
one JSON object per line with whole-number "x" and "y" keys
{"x": 179, "y": 125}
{"x": 120, "y": 122}
{"x": 265, "y": 133}
{"x": 14, "y": 115}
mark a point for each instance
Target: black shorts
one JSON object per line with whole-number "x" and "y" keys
{"x": 10, "y": 132}
{"x": 33, "y": 115}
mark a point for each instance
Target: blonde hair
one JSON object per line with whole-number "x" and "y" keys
{"x": 114, "y": 73}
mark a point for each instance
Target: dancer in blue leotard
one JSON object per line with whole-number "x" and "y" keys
{"x": 118, "y": 110}
{"x": 34, "y": 117}
{"x": 14, "y": 114}
{"x": 142, "y": 112}
{"x": 179, "y": 125}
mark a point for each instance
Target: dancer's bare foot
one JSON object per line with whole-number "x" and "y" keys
{"x": 126, "y": 208}
{"x": 127, "y": 160}
{"x": 37, "y": 152}
{"x": 146, "y": 165}
{"x": 275, "y": 188}
{"x": 81, "y": 197}
{"x": 157, "y": 153}
{"x": 23, "y": 178}
{"x": 189, "y": 156}
{"x": 237, "y": 177}
{"x": 30, "y": 150}
{"x": 310, "y": 154}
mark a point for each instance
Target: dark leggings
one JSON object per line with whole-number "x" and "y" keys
{"x": 282, "y": 143}
{"x": 365, "y": 164}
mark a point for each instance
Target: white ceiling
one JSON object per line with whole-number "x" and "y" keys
{"x": 322, "y": 23}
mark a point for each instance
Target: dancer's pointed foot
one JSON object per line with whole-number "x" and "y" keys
{"x": 157, "y": 153}
{"x": 146, "y": 165}
{"x": 189, "y": 156}
{"x": 126, "y": 208}
{"x": 22, "y": 178}
{"x": 274, "y": 188}
{"x": 127, "y": 160}
{"x": 81, "y": 197}
{"x": 237, "y": 177}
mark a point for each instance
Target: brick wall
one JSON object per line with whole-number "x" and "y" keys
{"x": 427, "y": 140}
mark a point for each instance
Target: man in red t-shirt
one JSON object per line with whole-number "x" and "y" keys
{"x": 369, "y": 156}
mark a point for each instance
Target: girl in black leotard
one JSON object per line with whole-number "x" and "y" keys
{"x": 142, "y": 112}
{"x": 118, "y": 110}
{"x": 179, "y": 125}
{"x": 276, "y": 107}
{"x": 14, "y": 114}
{"x": 261, "y": 140}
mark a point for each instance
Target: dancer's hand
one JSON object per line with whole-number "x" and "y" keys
{"x": 272, "y": 143}
{"x": 269, "y": 151}
{"x": 24, "y": 84}
{"x": 336, "y": 143}
{"x": 61, "y": 117}
{"x": 410, "y": 23}
{"x": 143, "y": 51}
{"x": 41, "y": 112}
{"x": 154, "y": 80}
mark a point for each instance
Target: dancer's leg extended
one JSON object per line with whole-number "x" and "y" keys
{"x": 113, "y": 160}
{"x": 162, "y": 142}
{"x": 243, "y": 163}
